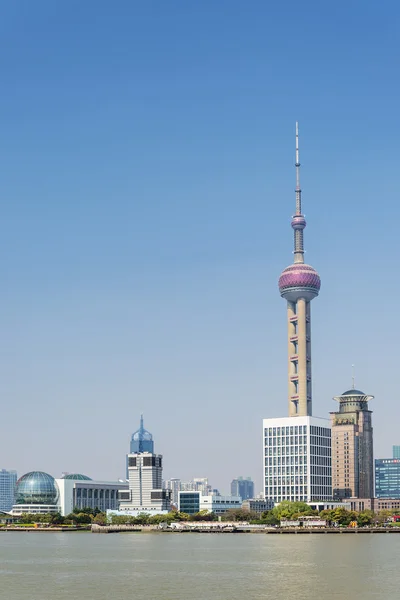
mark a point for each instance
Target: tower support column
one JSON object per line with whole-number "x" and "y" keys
{"x": 292, "y": 361}
{"x": 302, "y": 356}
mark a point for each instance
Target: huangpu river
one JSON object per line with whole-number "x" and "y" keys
{"x": 157, "y": 566}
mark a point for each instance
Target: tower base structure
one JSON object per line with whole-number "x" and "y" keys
{"x": 297, "y": 459}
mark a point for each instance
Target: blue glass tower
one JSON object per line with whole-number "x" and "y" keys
{"x": 141, "y": 440}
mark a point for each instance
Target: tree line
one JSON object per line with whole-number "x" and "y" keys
{"x": 285, "y": 510}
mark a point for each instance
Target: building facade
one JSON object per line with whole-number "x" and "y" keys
{"x": 174, "y": 485}
{"x": 297, "y": 448}
{"x": 258, "y": 505}
{"x": 79, "y": 491}
{"x": 387, "y": 478}
{"x": 192, "y": 502}
{"x": 243, "y": 488}
{"x": 396, "y": 451}
{"x": 145, "y": 493}
{"x": 352, "y": 447}
{"x": 198, "y": 484}
{"x": 8, "y": 480}
{"x": 297, "y": 459}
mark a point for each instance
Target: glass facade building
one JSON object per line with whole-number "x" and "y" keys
{"x": 8, "y": 480}
{"x": 36, "y": 487}
{"x": 387, "y": 478}
{"x": 396, "y": 451}
{"x": 243, "y": 488}
{"x": 189, "y": 502}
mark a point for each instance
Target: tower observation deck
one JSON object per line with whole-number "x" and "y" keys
{"x": 299, "y": 283}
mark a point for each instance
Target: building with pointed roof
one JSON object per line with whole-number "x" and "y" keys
{"x": 352, "y": 446}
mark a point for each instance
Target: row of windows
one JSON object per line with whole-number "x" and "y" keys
{"x": 293, "y": 440}
{"x": 287, "y": 470}
{"x": 285, "y": 450}
{"x": 89, "y": 493}
{"x": 286, "y": 480}
{"x": 286, "y": 460}
{"x": 293, "y": 429}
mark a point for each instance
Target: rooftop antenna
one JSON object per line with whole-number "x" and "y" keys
{"x": 352, "y": 378}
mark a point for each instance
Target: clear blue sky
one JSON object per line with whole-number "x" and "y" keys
{"x": 146, "y": 187}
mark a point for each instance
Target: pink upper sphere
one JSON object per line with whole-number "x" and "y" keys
{"x": 298, "y": 222}
{"x": 298, "y": 276}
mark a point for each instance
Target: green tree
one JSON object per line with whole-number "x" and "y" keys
{"x": 238, "y": 514}
{"x": 287, "y": 510}
{"x": 269, "y": 518}
{"x": 56, "y": 519}
{"x": 365, "y": 517}
{"x": 204, "y": 515}
{"x": 100, "y": 519}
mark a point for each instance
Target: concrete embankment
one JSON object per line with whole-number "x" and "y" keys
{"x": 44, "y": 529}
{"x": 242, "y": 529}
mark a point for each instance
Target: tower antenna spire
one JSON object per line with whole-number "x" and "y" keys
{"x": 353, "y": 387}
{"x": 298, "y": 221}
{"x": 297, "y": 164}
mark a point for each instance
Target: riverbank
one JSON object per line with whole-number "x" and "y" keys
{"x": 243, "y": 529}
{"x": 14, "y": 529}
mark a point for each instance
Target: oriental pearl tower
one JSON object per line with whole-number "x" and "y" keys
{"x": 299, "y": 284}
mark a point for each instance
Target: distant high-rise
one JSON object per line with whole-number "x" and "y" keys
{"x": 8, "y": 479}
{"x": 396, "y": 451}
{"x": 243, "y": 488}
{"x": 145, "y": 493}
{"x": 352, "y": 447}
{"x": 174, "y": 485}
{"x": 297, "y": 449}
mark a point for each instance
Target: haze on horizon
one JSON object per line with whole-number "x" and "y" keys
{"x": 147, "y": 187}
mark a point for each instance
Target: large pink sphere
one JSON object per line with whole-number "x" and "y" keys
{"x": 299, "y": 281}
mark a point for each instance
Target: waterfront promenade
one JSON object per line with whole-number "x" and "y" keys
{"x": 196, "y": 528}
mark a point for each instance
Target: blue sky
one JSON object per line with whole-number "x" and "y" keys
{"x": 147, "y": 185}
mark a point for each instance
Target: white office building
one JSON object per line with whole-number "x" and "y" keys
{"x": 145, "y": 493}
{"x": 297, "y": 459}
{"x": 192, "y": 502}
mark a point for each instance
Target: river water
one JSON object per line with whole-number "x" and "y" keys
{"x": 85, "y": 566}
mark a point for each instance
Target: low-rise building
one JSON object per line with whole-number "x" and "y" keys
{"x": 39, "y": 493}
{"x": 258, "y": 505}
{"x": 387, "y": 478}
{"x": 192, "y": 502}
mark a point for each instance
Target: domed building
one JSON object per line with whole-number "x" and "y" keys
{"x": 36, "y": 492}
{"x": 77, "y": 477}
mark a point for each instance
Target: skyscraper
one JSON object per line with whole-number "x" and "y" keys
{"x": 8, "y": 479}
{"x": 297, "y": 449}
{"x": 396, "y": 451}
{"x": 145, "y": 492}
{"x": 243, "y": 488}
{"x": 141, "y": 441}
{"x": 352, "y": 447}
